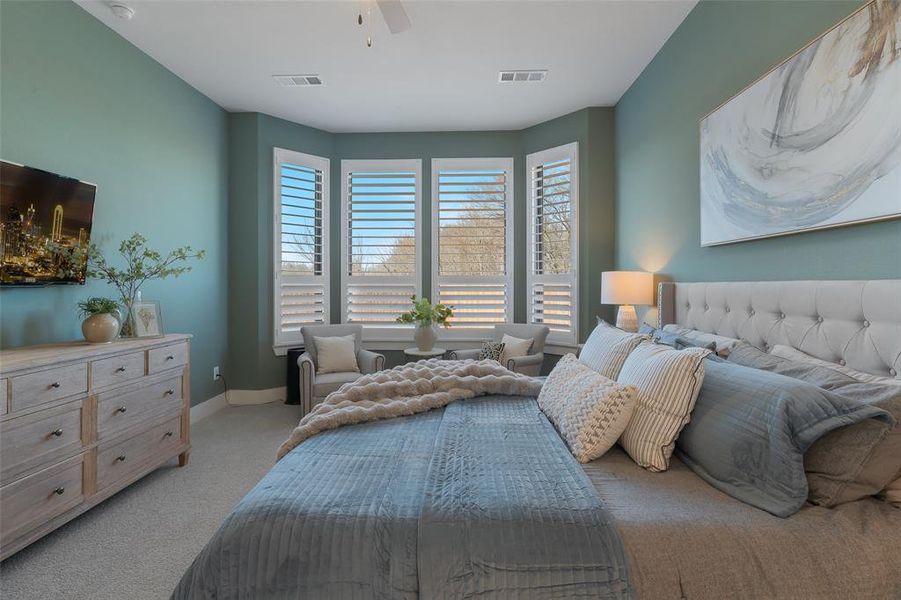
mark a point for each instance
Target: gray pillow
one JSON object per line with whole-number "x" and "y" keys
{"x": 674, "y": 340}
{"x": 852, "y": 462}
{"x": 750, "y": 428}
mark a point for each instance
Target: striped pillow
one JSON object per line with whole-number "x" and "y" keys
{"x": 589, "y": 410}
{"x": 607, "y": 348}
{"x": 668, "y": 382}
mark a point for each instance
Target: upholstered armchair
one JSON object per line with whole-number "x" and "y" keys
{"x": 527, "y": 365}
{"x": 314, "y": 388}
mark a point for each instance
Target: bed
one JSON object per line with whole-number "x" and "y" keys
{"x": 482, "y": 498}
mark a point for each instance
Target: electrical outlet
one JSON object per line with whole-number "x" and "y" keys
{"x": 216, "y": 374}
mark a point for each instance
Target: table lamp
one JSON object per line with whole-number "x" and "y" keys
{"x": 627, "y": 288}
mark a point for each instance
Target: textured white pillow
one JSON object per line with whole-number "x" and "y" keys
{"x": 514, "y": 347}
{"x": 607, "y": 347}
{"x": 790, "y": 353}
{"x": 336, "y": 354}
{"x": 589, "y": 410}
{"x": 668, "y": 382}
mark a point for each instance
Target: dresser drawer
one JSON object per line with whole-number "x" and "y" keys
{"x": 35, "y": 499}
{"x": 119, "y": 411}
{"x": 41, "y": 387}
{"x": 167, "y": 357}
{"x": 116, "y": 369}
{"x": 121, "y": 459}
{"x": 41, "y": 437}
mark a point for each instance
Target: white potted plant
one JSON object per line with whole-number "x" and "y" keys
{"x": 426, "y": 315}
{"x": 102, "y": 319}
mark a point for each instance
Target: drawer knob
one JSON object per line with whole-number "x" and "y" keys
{"x": 59, "y": 491}
{"x": 120, "y": 458}
{"x": 55, "y": 384}
{"x": 121, "y": 369}
{"x": 168, "y": 392}
{"x": 170, "y": 357}
{"x": 57, "y": 432}
{"x": 121, "y": 409}
{"x": 168, "y": 434}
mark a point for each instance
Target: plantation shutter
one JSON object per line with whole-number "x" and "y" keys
{"x": 552, "y": 277}
{"x": 301, "y": 244}
{"x": 472, "y": 250}
{"x": 381, "y": 251}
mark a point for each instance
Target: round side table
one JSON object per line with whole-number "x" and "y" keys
{"x": 417, "y": 354}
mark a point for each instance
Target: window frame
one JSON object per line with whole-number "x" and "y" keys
{"x": 280, "y": 156}
{"x": 380, "y": 333}
{"x": 556, "y": 340}
{"x": 475, "y": 164}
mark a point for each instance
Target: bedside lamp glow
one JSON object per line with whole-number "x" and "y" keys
{"x": 627, "y": 288}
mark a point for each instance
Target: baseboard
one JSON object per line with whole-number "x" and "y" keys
{"x": 244, "y": 397}
{"x": 208, "y": 407}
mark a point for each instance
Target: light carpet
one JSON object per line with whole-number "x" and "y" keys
{"x": 138, "y": 543}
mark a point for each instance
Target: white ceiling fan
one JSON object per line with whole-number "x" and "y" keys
{"x": 392, "y": 12}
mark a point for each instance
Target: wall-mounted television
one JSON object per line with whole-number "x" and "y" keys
{"x": 45, "y": 226}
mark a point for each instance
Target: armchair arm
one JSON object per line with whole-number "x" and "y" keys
{"x": 370, "y": 362}
{"x": 469, "y": 353}
{"x": 516, "y": 363}
{"x": 307, "y": 370}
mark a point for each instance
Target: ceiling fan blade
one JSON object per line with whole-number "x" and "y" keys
{"x": 394, "y": 14}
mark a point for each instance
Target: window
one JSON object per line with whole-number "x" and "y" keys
{"x": 301, "y": 292}
{"x": 472, "y": 242}
{"x": 380, "y": 243}
{"x": 552, "y": 279}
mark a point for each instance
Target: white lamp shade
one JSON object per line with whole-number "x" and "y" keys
{"x": 627, "y": 287}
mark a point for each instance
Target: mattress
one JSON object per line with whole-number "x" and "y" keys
{"x": 685, "y": 539}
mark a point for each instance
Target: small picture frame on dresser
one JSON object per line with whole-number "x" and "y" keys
{"x": 147, "y": 319}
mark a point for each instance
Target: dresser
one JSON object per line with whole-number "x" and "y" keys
{"x": 79, "y": 422}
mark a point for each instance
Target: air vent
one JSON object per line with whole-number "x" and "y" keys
{"x": 297, "y": 80}
{"x": 533, "y": 76}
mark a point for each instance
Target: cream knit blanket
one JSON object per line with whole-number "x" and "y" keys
{"x": 409, "y": 389}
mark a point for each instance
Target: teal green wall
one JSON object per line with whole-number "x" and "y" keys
{"x": 719, "y": 49}
{"x": 252, "y": 138}
{"x": 79, "y": 100}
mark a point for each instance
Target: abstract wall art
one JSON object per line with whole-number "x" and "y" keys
{"x": 814, "y": 143}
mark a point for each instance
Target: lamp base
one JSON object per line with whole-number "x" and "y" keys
{"x": 627, "y": 318}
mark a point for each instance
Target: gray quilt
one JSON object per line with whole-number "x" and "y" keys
{"x": 481, "y": 498}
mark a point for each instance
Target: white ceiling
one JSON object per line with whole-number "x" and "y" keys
{"x": 439, "y": 76}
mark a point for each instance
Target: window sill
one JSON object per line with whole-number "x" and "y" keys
{"x": 377, "y": 345}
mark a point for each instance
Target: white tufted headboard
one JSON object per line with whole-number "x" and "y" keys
{"x": 853, "y": 323}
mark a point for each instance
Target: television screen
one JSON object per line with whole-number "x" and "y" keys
{"x": 45, "y": 226}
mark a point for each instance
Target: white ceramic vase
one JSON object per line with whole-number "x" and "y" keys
{"x": 425, "y": 337}
{"x": 100, "y": 329}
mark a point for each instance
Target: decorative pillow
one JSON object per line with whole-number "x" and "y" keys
{"x": 336, "y": 354}
{"x": 724, "y": 344}
{"x": 514, "y": 347}
{"x": 790, "y": 353}
{"x": 668, "y": 382}
{"x": 607, "y": 347}
{"x": 750, "y": 429}
{"x": 491, "y": 351}
{"x": 589, "y": 410}
{"x": 852, "y": 462}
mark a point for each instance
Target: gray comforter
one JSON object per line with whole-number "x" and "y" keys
{"x": 481, "y": 498}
